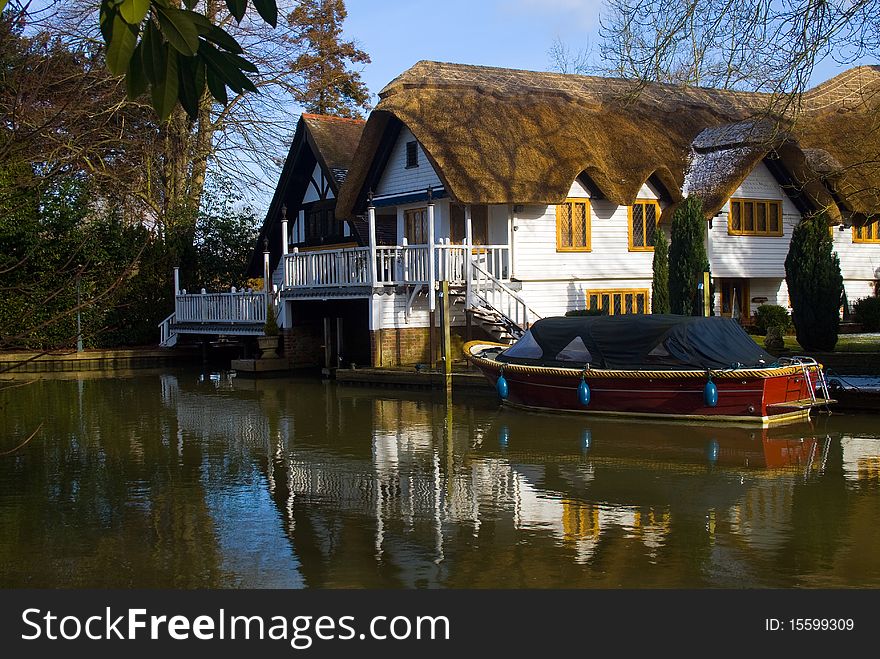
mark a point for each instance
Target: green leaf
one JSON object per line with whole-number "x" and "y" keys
{"x": 188, "y": 92}
{"x": 121, "y": 46}
{"x": 179, "y": 30}
{"x": 135, "y": 79}
{"x": 237, "y": 8}
{"x": 105, "y": 20}
{"x": 241, "y": 63}
{"x": 134, "y": 11}
{"x": 153, "y": 53}
{"x": 226, "y": 71}
{"x": 223, "y": 39}
{"x": 165, "y": 90}
{"x": 268, "y": 10}
{"x": 216, "y": 86}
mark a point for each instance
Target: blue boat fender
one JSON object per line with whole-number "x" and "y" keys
{"x": 584, "y": 393}
{"x": 710, "y": 393}
{"x": 502, "y": 387}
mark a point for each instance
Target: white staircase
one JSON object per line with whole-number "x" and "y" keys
{"x": 167, "y": 336}
{"x": 496, "y": 307}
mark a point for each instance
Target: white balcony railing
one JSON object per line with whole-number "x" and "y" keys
{"x": 235, "y": 307}
{"x": 394, "y": 266}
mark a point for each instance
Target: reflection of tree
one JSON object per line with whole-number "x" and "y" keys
{"x": 110, "y": 496}
{"x": 369, "y": 492}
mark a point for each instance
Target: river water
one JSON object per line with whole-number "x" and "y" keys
{"x": 183, "y": 479}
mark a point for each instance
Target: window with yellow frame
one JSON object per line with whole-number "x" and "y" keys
{"x": 755, "y": 217}
{"x": 619, "y": 301}
{"x": 869, "y": 233}
{"x": 573, "y": 226}
{"x": 643, "y": 217}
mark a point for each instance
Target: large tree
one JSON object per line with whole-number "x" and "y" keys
{"x": 815, "y": 284}
{"x": 756, "y": 45}
{"x": 226, "y": 129}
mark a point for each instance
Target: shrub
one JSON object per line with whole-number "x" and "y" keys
{"x": 271, "y": 326}
{"x": 772, "y": 315}
{"x": 815, "y": 285}
{"x": 867, "y": 313}
{"x": 687, "y": 258}
{"x": 660, "y": 283}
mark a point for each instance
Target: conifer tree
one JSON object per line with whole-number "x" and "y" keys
{"x": 660, "y": 283}
{"x": 815, "y": 284}
{"x": 687, "y": 258}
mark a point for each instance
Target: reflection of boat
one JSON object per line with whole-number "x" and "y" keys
{"x": 656, "y": 366}
{"x": 635, "y": 441}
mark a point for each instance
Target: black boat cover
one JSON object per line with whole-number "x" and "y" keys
{"x": 638, "y": 342}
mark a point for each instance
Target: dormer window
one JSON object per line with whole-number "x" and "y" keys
{"x": 412, "y": 155}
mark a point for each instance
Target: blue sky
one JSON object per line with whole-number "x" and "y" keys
{"x": 512, "y": 33}
{"x": 507, "y": 33}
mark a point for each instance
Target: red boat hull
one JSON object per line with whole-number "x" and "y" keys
{"x": 765, "y": 396}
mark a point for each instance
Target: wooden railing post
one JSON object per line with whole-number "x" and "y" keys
{"x": 371, "y": 221}
{"x": 431, "y": 297}
{"x": 468, "y": 257}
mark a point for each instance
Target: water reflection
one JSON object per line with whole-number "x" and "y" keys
{"x": 191, "y": 480}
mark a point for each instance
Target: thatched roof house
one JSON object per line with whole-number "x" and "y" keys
{"x": 502, "y": 136}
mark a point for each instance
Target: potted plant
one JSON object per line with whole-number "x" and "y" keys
{"x": 269, "y": 341}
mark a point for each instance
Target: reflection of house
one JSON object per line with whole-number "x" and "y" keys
{"x": 536, "y": 193}
{"x": 861, "y": 459}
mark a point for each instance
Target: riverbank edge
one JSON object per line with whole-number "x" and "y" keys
{"x": 95, "y": 360}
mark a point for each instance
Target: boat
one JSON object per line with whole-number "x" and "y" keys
{"x": 654, "y": 366}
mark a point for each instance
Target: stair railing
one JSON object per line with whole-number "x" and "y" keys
{"x": 487, "y": 291}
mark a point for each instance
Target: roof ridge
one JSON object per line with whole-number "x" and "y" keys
{"x": 328, "y": 117}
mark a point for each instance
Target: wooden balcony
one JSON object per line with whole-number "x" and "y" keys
{"x": 391, "y": 266}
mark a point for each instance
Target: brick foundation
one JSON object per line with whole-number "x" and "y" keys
{"x": 405, "y": 346}
{"x": 303, "y": 346}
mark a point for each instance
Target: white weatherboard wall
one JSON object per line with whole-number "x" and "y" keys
{"x": 398, "y": 179}
{"x": 760, "y": 259}
{"x": 752, "y": 256}
{"x": 389, "y": 311}
{"x": 859, "y": 264}
{"x": 554, "y": 282}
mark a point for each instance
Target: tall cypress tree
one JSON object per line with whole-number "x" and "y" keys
{"x": 687, "y": 257}
{"x": 660, "y": 284}
{"x": 815, "y": 284}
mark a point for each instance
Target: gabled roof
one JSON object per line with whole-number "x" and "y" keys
{"x": 500, "y": 136}
{"x": 336, "y": 139}
{"x": 328, "y": 141}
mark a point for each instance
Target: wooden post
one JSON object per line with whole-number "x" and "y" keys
{"x": 431, "y": 273}
{"x": 447, "y": 339}
{"x": 371, "y": 221}
{"x": 707, "y": 297}
{"x": 176, "y": 281}
{"x": 468, "y": 256}
{"x": 339, "y": 345}
{"x": 284, "y": 237}
{"x": 266, "y": 274}
{"x": 327, "y": 346}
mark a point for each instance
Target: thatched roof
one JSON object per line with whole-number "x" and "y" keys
{"x": 499, "y": 136}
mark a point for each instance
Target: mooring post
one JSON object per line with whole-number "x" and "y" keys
{"x": 447, "y": 338}
{"x": 707, "y": 296}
